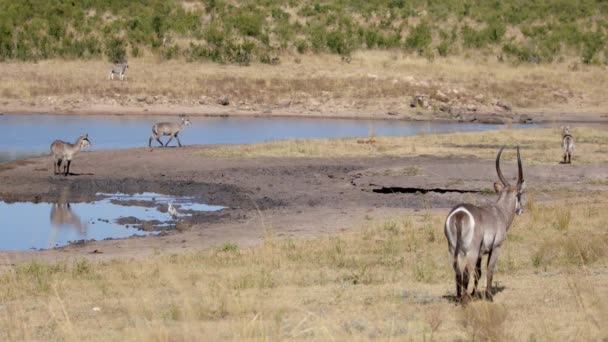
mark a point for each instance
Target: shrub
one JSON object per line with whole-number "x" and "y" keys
{"x": 419, "y": 38}
{"x": 115, "y": 50}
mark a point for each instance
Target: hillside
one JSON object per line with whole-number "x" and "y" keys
{"x": 241, "y": 32}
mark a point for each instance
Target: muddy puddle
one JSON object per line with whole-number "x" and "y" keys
{"x": 27, "y": 225}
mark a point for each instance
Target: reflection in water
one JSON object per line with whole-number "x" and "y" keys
{"x": 27, "y": 225}
{"x": 63, "y": 217}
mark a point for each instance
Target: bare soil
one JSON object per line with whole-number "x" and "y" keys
{"x": 290, "y": 196}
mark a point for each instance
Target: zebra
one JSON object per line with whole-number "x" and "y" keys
{"x": 119, "y": 69}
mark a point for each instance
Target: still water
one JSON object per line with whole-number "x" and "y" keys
{"x": 22, "y": 136}
{"x": 27, "y": 225}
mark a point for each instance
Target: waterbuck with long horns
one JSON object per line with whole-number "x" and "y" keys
{"x": 168, "y": 128}
{"x": 473, "y": 231}
{"x": 61, "y": 150}
{"x": 567, "y": 144}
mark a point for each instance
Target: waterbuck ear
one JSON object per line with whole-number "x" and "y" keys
{"x": 498, "y": 187}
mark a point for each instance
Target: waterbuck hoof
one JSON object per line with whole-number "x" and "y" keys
{"x": 465, "y": 299}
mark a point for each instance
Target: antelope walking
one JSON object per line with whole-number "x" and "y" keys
{"x": 567, "y": 144}
{"x": 61, "y": 150}
{"x": 168, "y": 128}
{"x": 119, "y": 69}
{"x": 473, "y": 231}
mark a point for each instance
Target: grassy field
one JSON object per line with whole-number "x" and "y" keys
{"x": 372, "y": 82}
{"x": 539, "y": 145}
{"x": 385, "y": 280}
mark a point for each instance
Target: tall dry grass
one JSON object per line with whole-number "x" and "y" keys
{"x": 387, "y": 280}
{"x": 372, "y": 81}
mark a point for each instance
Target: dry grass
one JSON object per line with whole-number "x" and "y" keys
{"x": 373, "y": 81}
{"x": 383, "y": 280}
{"x": 539, "y": 145}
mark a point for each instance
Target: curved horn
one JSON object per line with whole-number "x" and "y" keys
{"x": 520, "y": 171}
{"x": 500, "y": 175}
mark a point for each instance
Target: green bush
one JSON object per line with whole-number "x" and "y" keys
{"x": 226, "y": 32}
{"x": 115, "y": 50}
{"x": 419, "y": 38}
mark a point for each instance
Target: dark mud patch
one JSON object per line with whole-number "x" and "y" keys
{"x": 145, "y": 225}
{"x": 402, "y": 190}
{"x": 231, "y": 196}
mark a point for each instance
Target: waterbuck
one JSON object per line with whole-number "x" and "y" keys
{"x": 119, "y": 69}
{"x": 61, "y": 150}
{"x": 567, "y": 144}
{"x": 168, "y": 128}
{"x": 473, "y": 231}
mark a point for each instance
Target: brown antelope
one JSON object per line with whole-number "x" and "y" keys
{"x": 61, "y": 150}
{"x": 567, "y": 144}
{"x": 473, "y": 231}
{"x": 168, "y": 128}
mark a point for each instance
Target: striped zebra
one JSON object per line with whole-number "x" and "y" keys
{"x": 119, "y": 69}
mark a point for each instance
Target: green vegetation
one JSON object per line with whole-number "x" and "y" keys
{"x": 241, "y": 31}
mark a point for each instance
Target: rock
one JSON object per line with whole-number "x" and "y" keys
{"x": 440, "y": 96}
{"x": 141, "y": 98}
{"x": 150, "y": 100}
{"x": 284, "y": 103}
{"x": 224, "y": 101}
{"x": 419, "y": 101}
{"x": 479, "y": 97}
{"x": 490, "y": 119}
{"x": 444, "y": 107}
{"x": 504, "y": 105}
{"x": 524, "y": 119}
{"x": 392, "y": 112}
{"x": 471, "y": 108}
{"x": 203, "y": 100}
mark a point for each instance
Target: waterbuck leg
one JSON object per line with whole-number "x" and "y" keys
{"x": 454, "y": 257}
{"x": 477, "y": 276}
{"x": 492, "y": 257}
{"x": 57, "y": 166}
{"x": 569, "y": 158}
{"x": 168, "y": 141}
{"x": 178, "y": 142}
{"x": 67, "y": 170}
{"x": 472, "y": 258}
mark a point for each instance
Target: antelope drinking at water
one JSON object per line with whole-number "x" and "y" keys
{"x": 567, "y": 144}
{"x": 61, "y": 150}
{"x": 473, "y": 231}
{"x": 119, "y": 69}
{"x": 168, "y": 128}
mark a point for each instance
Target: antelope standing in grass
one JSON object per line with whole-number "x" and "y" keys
{"x": 119, "y": 69}
{"x": 567, "y": 144}
{"x": 473, "y": 231}
{"x": 168, "y": 128}
{"x": 61, "y": 150}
